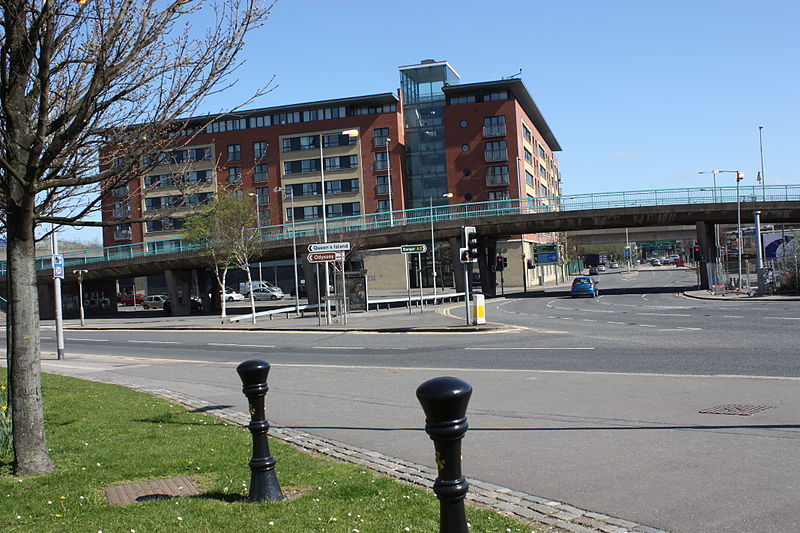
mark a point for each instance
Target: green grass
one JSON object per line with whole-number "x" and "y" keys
{"x": 101, "y": 435}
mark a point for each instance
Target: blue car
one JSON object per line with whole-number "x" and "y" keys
{"x": 584, "y": 286}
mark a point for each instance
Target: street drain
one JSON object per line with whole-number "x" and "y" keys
{"x": 157, "y": 489}
{"x": 735, "y": 409}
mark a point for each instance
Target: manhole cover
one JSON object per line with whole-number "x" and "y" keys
{"x": 735, "y": 409}
{"x": 156, "y": 489}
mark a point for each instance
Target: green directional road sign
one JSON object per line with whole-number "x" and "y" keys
{"x": 413, "y": 249}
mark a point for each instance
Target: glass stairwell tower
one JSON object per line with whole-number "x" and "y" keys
{"x": 423, "y": 108}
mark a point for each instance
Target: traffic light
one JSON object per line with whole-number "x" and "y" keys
{"x": 463, "y": 254}
{"x": 531, "y": 264}
{"x": 697, "y": 253}
{"x": 469, "y": 240}
{"x": 500, "y": 263}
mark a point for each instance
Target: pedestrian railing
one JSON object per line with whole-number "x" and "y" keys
{"x": 471, "y": 212}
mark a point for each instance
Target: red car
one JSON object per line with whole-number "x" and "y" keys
{"x": 127, "y": 299}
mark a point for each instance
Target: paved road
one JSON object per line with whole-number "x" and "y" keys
{"x": 595, "y": 402}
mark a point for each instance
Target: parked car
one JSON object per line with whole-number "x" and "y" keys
{"x": 601, "y": 268}
{"x": 614, "y": 265}
{"x": 195, "y": 304}
{"x": 584, "y": 286}
{"x": 233, "y": 296}
{"x": 155, "y": 301}
{"x": 268, "y": 293}
{"x": 128, "y": 299}
{"x": 656, "y": 262}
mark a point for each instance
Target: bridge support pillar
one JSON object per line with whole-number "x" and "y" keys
{"x": 706, "y": 238}
{"x": 458, "y": 268}
{"x": 488, "y": 249}
{"x": 179, "y": 289}
{"x": 209, "y": 290}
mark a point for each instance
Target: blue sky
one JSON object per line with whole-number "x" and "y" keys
{"x": 640, "y": 94}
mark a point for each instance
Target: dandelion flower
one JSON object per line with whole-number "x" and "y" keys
{"x": 59, "y": 515}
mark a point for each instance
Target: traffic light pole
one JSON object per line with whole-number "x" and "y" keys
{"x": 467, "y": 287}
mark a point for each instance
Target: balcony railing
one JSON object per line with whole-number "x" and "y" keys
{"x": 495, "y": 130}
{"x": 495, "y": 180}
{"x": 496, "y": 155}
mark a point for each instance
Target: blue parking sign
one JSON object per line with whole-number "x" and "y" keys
{"x": 58, "y": 266}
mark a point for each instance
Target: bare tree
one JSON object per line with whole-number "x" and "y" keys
{"x": 86, "y": 89}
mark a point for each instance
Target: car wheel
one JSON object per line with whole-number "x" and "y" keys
{"x": 229, "y": 299}
{"x": 145, "y": 306}
{"x": 273, "y": 297}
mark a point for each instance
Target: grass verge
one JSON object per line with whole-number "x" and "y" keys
{"x": 101, "y": 435}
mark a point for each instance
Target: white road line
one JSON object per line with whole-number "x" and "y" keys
{"x": 733, "y": 316}
{"x": 89, "y": 340}
{"x": 241, "y": 345}
{"x": 782, "y": 317}
{"x": 588, "y": 320}
{"x": 497, "y": 348}
{"x": 155, "y": 342}
{"x": 613, "y": 322}
{"x": 647, "y": 326}
{"x": 338, "y": 348}
{"x": 690, "y": 329}
{"x": 662, "y": 314}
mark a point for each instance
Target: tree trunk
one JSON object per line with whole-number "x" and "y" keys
{"x": 252, "y": 298}
{"x": 223, "y": 299}
{"x": 30, "y": 446}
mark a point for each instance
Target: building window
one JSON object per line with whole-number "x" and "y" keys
{"x": 343, "y": 210}
{"x": 329, "y": 141}
{"x": 542, "y": 171}
{"x": 341, "y": 186}
{"x": 306, "y": 142}
{"x": 260, "y": 149}
{"x": 529, "y": 178}
{"x": 383, "y": 206}
{"x": 465, "y": 148}
{"x": 492, "y": 97}
{"x": 301, "y": 166}
{"x": 121, "y": 191}
{"x": 456, "y": 100}
{"x": 498, "y": 195}
{"x": 262, "y": 194}
{"x": 528, "y": 156}
{"x": 122, "y": 232}
{"x": 497, "y": 175}
{"x": 234, "y": 175}
{"x": 260, "y": 173}
{"x": 382, "y": 185}
{"x": 541, "y": 150}
{"x": 122, "y": 209}
{"x": 381, "y": 161}
{"x": 260, "y": 122}
{"x": 543, "y": 191}
{"x": 197, "y": 176}
{"x": 286, "y": 118}
{"x": 496, "y": 151}
{"x": 526, "y": 133}
{"x": 494, "y": 126}
{"x": 234, "y": 152}
{"x": 381, "y": 137}
{"x": 341, "y": 162}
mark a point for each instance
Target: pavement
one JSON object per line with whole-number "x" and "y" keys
{"x": 554, "y": 515}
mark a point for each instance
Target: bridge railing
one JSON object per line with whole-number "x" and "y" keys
{"x": 468, "y": 213}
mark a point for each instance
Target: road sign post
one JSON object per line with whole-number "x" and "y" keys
{"x": 329, "y": 247}
{"x": 418, "y": 249}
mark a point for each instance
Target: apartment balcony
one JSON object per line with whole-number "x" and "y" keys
{"x": 496, "y": 130}
{"x": 496, "y": 155}
{"x": 496, "y": 180}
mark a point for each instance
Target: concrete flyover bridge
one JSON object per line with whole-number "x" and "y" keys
{"x": 701, "y": 207}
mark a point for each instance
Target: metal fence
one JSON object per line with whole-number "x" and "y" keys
{"x": 470, "y": 211}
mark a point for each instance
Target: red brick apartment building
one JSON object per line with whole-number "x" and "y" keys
{"x": 479, "y": 141}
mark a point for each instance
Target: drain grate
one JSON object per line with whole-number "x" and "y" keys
{"x": 735, "y": 409}
{"x": 158, "y": 489}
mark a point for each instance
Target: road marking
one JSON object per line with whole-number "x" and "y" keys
{"x": 733, "y": 316}
{"x": 782, "y": 317}
{"x": 588, "y": 320}
{"x": 498, "y": 348}
{"x": 662, "y": 314}
{"x": 55, "y": 363}
{"x": 647, "y": 326}
{"x": 89, "y": 340}
{"x": 613, "y": 322}
{"x": 338, "y": 348}
{"x": 690, "y": 329}
{"x": 154, "y": 342}
{"x": 241, "y": 345}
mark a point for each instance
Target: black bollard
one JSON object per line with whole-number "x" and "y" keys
{"x": 444, "y": 401}
{"x": 263, "y": 480}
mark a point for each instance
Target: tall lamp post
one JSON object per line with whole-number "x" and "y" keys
{"x": 349, "y": 133}
{"x": 433, "y": 244}
{"x": 289, "y": 193}
{"x": 258, "y": 223}
{"x": 714, "y": 172}
{"x": 80, "y": 274}
{"x": 761, "y": 152}
{"x": 389, "y": 183}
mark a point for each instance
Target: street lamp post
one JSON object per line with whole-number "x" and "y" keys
{"x": 761, "y": 152}
{"x": 290, "y": 194}
{"x": 714, "y": 172}
{"x": 258, "y": 229}
{"x": 433, "y": 244}
{"x": 80, "y": 274}
{"x": 349, "y": 133}
{"x": 389, "y": 183}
